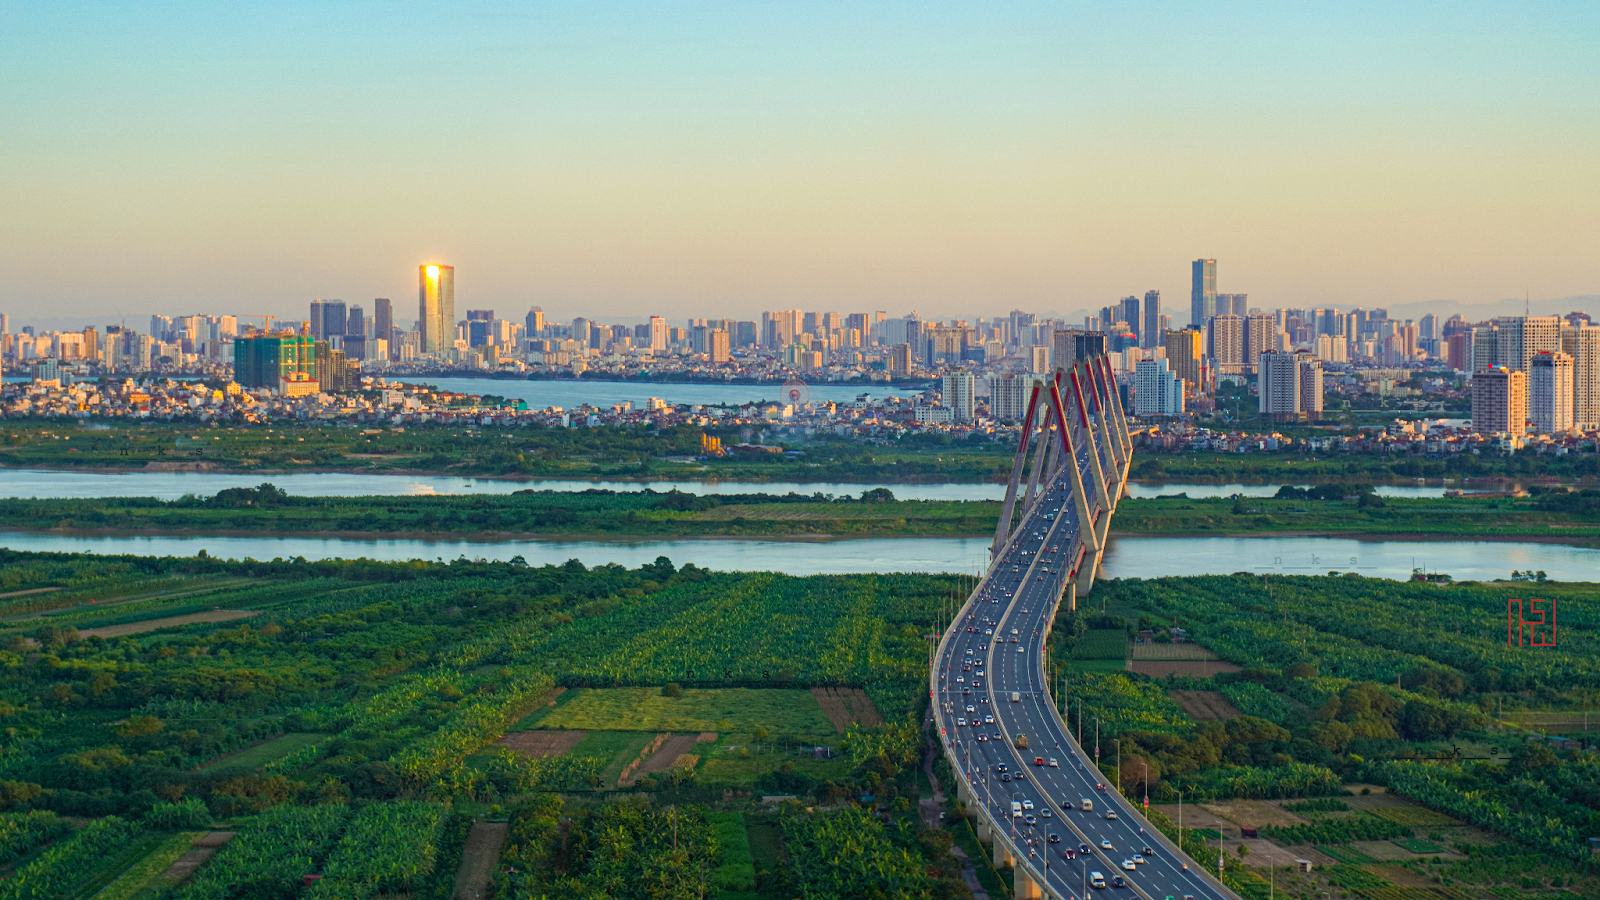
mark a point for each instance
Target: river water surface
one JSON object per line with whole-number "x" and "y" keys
{"x": 1144, "y": 557}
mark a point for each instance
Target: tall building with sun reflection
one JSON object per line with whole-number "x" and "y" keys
{"x": 436, "y": 307}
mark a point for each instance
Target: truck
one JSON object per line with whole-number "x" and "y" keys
{"x": 1016, "y": 809}
{"x": 1097, "y": 881}
{"x": 1016, "y": 696}
{"x": 1022, "y": 742}
{"x": 1086, "y": 805}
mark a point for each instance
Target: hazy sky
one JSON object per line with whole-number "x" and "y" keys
{"x": 723, "y": 158}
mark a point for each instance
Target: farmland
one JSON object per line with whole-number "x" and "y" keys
{"x": 367, "y": 717}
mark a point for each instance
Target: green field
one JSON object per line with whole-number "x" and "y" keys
{"x": 737, "y": 771}
{"x": 1102, "y": 643}
{"x": 790, "y": 712}
{"x": 263, "y": 753}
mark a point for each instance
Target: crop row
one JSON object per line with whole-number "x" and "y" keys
{"x": 388, "y": 848}
{"x": 63, "y": 865}
{"x": 270, "y": 859}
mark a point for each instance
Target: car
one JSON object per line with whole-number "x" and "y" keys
{"x": 961, "y": 679}
{"x": 1027, "y": 804}
{"x": 1138, "y": 860}
{"x": 1148, "y": 852}
{"x": 1054, "y": 764}
{"x": 1030, "y": 820}
{"x": 1055, "y": 838}
{"x": 1069, "y": 854}
{"x": 1038, "y": 760}
{"x": 1066, "y": 804}
{"x": 1005, "y": 776}
{"x": 1112, "y": 815}
{"x": 1045, "y": 813}
{"x": 1022, "y": 649}
{"x": 1128, "y": 865}
{"x": 1106, "y": 845}
{"x": 972, "y": 709}
{"x": 966, "y": 668}
{"x": 988, "y": 720}
{"x": 988, "y": 631}
{"x": 1083, "y": 848}
{"x": 998, "y": 736}
{"x": 1013, "y": 640}
{"x": 1119, "y": 881}
{"x": 1002, "y": 768}
{"x": 982, "y": 738}
{"x": 961, "y": 722}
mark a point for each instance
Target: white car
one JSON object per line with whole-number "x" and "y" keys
{"x": 1138, "y": 860}
{"x": 961, "y": 723}
{"x": 1054, "y": 764}
{"x": 1112, "y": 815}
{"x": 1128, "y": 864}
{"x": 1027, "y": 804}
{"x": 1105, "y": 845}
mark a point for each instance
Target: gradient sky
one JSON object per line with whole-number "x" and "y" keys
{"x": 618, "y": 160}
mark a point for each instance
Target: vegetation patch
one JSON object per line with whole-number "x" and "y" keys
{"x": 647, "y": 709}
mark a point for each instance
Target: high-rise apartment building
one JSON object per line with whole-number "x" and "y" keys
{"x": 1290, "y": 386}
{"x": 1500, "y": 401}
{"x": 1260, "y": 336}
{"x": 355, "y": 333}
{"x": 1184, "y": 351}
{"x": 1226, "y": 341}
{"x": 1008, "y": 396}
{"x": 1158, "y": 391}
{"x": 1520, "y": 338}
{"x": 1039, "y": 359}
{"x": 1150, "y": 328}
{"x": 1070, "y": 345}
{"x": 718, "y": 346}
{"x": 1582, "y": 343}
{"x": 1550, "y": 393}
{"x": 1458, "y": 351}
{"x": 534, "y": 323}
{"x": 659, "y": 338}
{"x": 900, "y": 360}
{"x": 1485, "y": 347}
{"x": 436, "y": 308}
{"x": 959, "y": 389}
{"x": 1233, "y": 305}
{"x": 1203, "y": 293}
{"x": 265, "y": 362}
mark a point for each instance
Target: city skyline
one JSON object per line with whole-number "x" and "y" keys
{"x": 689, "y": 162}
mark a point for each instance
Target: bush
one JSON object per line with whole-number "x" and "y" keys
{"x": 190, "y": 812}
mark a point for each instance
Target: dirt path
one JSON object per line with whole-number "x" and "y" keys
{"x": 930, "y": 813}
{"x": 662, "y": 759}
{"x": 198, "y": 852}
{"x": 479, "y": 858}
{"x": 216, "y": 615}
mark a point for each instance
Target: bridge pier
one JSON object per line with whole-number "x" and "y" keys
{"x": 1086, "y": 573}
{"x": 1026, "y": 888}
{"x": 985, "y": 833}
{"x": 1003, "y": 857}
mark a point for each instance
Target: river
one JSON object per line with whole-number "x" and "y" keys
{"x": 172, "y": 485}
{"x": 1145, "y": 557}
{"x": 568, "y": 394}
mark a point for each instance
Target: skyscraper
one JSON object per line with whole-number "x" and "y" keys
{"x": 658, "y": 334}
{"x": 436, "y": 308}
{"x": 355, "y": 333}
{"x": 1008, "y": 396}
{"x": 1183, "y": 352}
{"x": 383, "y": 321}
{"x": 1150, "y": 329}
{"x": 1203, "y": 293}
{"x": 959, "y": 387}
{"x": 1550, "y": 393}
{"x": 1227, "y": 342}
{"x": 1158, "y": 391}
{"x": 1290, "y": 386}
{"x": 1582, "y": 343}
{"x": 1500, "y": 401}
{"x": 534, "y": 323}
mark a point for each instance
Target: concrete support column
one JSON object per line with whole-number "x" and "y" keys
{"x": 985, "y": 833}
{"x": 1026, "y": 889}
{"x": 1069, "y": 598}
{"x": 964, "y": 793}
{"x": 1086, "y": 573}
{"x": 1002, "y": 855}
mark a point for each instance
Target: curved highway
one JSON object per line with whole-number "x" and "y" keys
{"x": 989, "y": 687}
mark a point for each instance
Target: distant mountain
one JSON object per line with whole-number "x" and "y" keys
{"x": 1511, "y": 306}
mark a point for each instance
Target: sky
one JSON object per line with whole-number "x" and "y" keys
{"x": 720, "y": 159}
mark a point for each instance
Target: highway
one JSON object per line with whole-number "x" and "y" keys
{"x": 994, "y": 651}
